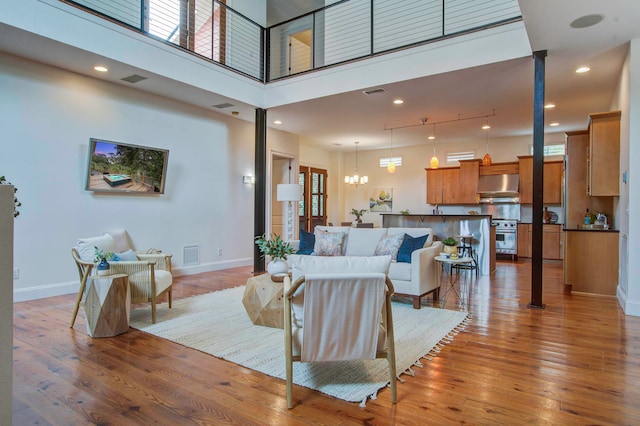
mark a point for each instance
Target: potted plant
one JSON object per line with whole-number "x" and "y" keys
{"x": 16, "y": 203}
{"x": 277, "y": 249}
{"x": 450, "y": 245}
{"x": 101, "y": 258}
{"x": 358, "y": 214}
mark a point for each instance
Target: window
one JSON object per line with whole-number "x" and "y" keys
{"x": 384, "y": 161}
{"x": 550, "y": 150}
{"x": 453, "y": 157}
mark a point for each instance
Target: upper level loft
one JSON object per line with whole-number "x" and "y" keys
{"x": 342, "y": 32}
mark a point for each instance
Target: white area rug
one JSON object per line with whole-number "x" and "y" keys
{"x": 217, "y": 324}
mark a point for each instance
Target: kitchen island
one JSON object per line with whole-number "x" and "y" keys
{"x": 450, "y": 225}
{"x": 591, "y": 261}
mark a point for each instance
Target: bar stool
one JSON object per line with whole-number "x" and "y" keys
{"x": 465, "y": 248}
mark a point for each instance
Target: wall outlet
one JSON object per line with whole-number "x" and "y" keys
{"x": 16, "y": 274}
{"x": 219, "y": 252}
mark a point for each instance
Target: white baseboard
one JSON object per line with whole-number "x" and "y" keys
{"x": 42, "y": 291}
{"x": 630, "y": 307}
{"x": 213, "y": 266}
{"x": 50, "y": 290}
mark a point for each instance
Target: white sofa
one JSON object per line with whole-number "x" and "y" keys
{"x": 415, "y": 279}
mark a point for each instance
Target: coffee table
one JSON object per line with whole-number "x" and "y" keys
{"x": 263, "y": 300}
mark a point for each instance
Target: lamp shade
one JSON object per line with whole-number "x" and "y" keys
{"x": 289, "y": 192}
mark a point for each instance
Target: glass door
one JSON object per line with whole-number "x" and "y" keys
{"x": 312, "y": 209}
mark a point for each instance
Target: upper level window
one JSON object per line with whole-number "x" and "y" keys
{"x": 384, "y": 161}
{"x": 551, "y": 150}
{"x": 453, "y": 157}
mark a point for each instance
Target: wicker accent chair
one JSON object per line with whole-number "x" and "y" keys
{"x": 346, "y": 316}
{"x": 149, "y": 278}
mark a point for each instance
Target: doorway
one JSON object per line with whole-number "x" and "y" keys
{"x": 312, "y": 210}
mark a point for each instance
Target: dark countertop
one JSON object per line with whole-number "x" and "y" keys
{"x": 437, "y": 215}
{"x": 590, "y": 230}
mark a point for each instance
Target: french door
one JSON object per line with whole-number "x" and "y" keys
{"x": 312, "y": 210}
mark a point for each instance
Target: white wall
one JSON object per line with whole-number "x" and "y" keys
{"x": 627, "y": 99}
{"x": 48, "y": 115}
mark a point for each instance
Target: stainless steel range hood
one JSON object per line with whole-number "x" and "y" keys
{"x": 499, "y": 188}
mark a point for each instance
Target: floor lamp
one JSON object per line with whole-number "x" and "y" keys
{"x": 289, "y": 192}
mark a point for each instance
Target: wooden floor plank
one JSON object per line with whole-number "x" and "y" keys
{"x": 575, "y": 362}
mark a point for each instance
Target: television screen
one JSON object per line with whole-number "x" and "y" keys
{"x": 122, "y": 167}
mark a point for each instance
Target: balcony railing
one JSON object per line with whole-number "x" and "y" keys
{"x": 344, "y": 31}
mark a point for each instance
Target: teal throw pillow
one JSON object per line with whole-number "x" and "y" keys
{"x": 127, "y": 256}
{"x": 307, "y": 241}
{"x": 409, "y": 245}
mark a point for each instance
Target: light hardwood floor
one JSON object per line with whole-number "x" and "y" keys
{"x": 575, "y": 362}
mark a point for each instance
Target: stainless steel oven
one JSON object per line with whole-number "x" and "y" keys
{"x": 506, "y": 236}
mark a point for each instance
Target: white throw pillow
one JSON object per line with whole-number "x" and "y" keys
{"x": 363, "y": 241}
{"x": 389, "y": 245}
{"x": 86, "y": 246}
{"x": 328, "y": 243}
{"x": 121, "y": 240}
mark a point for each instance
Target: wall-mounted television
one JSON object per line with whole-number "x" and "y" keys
{"x": 123, "y": 167}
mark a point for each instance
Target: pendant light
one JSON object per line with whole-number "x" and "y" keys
{"x": 356, "y": 179}
{"x": 434, "y": 163}
{"x": 391, "y": 167}
{"x": 486, "y": 160}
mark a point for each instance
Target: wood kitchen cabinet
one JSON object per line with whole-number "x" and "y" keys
{"x": 442, "y": 185}
{"x": 591, "y": 261}
{"x": 552, "y": 182}
{"x": 603, "y": 157}
{"x": 454, "y": 185}
{"x": 552, "y": 241}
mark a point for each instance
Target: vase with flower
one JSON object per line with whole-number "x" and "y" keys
{"x": 102, "y": 259}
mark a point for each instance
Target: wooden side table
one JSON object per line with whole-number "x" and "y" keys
{"x": 263, "y": 300}
{"x": 107, "y": 305}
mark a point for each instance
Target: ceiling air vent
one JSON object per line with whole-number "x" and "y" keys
{"x": 133, "y": 79}
{"x": 374, "y": 91}
{"x": 225, "y": 105}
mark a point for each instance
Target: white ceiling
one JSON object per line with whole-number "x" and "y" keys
{"x": 505, "y": 87}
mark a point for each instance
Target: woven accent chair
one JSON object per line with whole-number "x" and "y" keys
{"x": 345, "y": 316}
{"x": 149, "y": 278}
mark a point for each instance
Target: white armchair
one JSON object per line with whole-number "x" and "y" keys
{"x": 149, "y": 274}
{"x": 340, "y": 315}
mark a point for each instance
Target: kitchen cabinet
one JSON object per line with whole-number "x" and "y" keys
{"x": 552, "y": 241}
{"x": 468, "y": 181}
{"x": 454, "y": 185}
{"x": 591, "y": 261}
{"x": 552, "y": 182}
{"x": 576, "y": 199}
{"x": 603, "y": 157}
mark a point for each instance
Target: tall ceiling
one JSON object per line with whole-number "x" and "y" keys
{"x": 504, "y": 88}
{"x": 335, "y": 122}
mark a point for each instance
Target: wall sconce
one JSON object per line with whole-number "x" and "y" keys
{"x": 249, "y": 180}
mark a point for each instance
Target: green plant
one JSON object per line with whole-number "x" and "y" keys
{"x": 275, "y": 247}
{"x": 100, "y": 255}
{"x": 358, "y": 213}
{"x": 450, "y": 241}
{"x": 16, "y": 203}
{"x": 404, "y": 212}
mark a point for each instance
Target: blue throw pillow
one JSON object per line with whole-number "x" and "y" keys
{"x": 409, "y": 245}
{"x": 127, "y": 256}
{"x": 307, "y": 241}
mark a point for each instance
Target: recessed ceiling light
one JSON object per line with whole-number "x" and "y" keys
{"x": 548, "y": 106}
{"x": 100, "y": 68}
{"x": 586, "y": 21}
{"x": 583, "y": 69}
{"x": 431, "y": 137}
{"x": 486, "y": 127}
{"x": 398, "y": 101}
{"x": 277, "y": 122}
{"x": 554, "y": 124}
